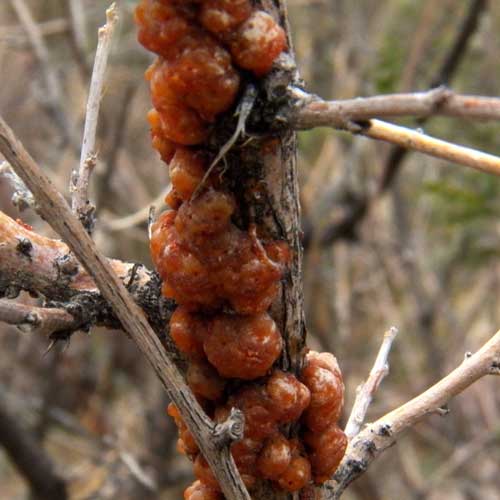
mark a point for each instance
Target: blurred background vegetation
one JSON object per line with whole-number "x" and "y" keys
{"x": 424, "y": 258}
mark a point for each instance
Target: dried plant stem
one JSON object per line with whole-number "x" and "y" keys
{"x": 376, "y": 437}
{"x": 80, "y": 180}
{"x": 442, "y": 101}
{"x": 39, "y": 319}
{"x": 366, "y": 391}
{"x": 358, "y": 116}
{"x": 35, "y": 263}
{"x": 55, "y": 210}
{"x": 418, "y": 141}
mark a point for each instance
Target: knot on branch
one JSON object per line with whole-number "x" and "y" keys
{"x": 495, "y": 367}
{"x": 24, "y": 247}
{"x": 438, "y": 97}
{"x": 231, "y": 430}
{"x": 67, "y": 266}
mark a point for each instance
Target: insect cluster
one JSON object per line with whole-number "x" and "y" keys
{"x": 223, "y": 278}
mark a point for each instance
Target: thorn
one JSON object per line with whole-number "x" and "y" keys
{"x": 50, "y": 347}
{"x": 133, "y": 275}
{"x": 442, "y": 411}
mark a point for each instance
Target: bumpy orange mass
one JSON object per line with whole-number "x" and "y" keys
{"x": 257, "y": 43}
{"x": 243, "y": 346}
{"x": 224, "y": 276}
{"x": 205, "y": 261}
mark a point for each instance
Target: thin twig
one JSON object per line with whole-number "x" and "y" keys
{"x": 38, "y": 319}
{"x": 56, "y": 211}
{"x": 375, "y": 438}
{"x": 419, "y": 141}
{"x": 310, "y": 112}
{"x": 455, "y": 56}
{"x": 80, "y": 180}
{"x": 395, "y": 134}
{"x": 365, "y": 392}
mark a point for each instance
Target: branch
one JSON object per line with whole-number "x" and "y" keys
{"x": 54, "y": 209}
{"x": 365, "y": 392}
{"x": 80, "y": 180}
{"x": 382, "y": 434}
{"x": 418, "y": 141}
{"x": 30, "y": 459}
{"x": 40, "y": 319}
{"x": 346, "y": 116}
{"x": 40, "y": 265}
{"x": 309, "y": 112}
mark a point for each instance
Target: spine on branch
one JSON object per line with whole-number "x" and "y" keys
{"x": 222, "y": 270}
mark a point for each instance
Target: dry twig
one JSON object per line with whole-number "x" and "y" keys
{"x": 37, "y": 264}
{"x": 55, "y": 210}
{"x": 365, "y": 392}
{"x": 356, "y": 116}
{"x": 309, "y": 112}
{"x": 364, "y": 448}
{"x": 419, "y": 141}
{"x": 80, "y": 180}
{"x": 40, "y": 319}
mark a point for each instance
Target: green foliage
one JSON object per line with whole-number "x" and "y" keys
{"x": 393, "y": 50}
{"x": 466, "y": 206}
{"x": 460, "y": 204}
